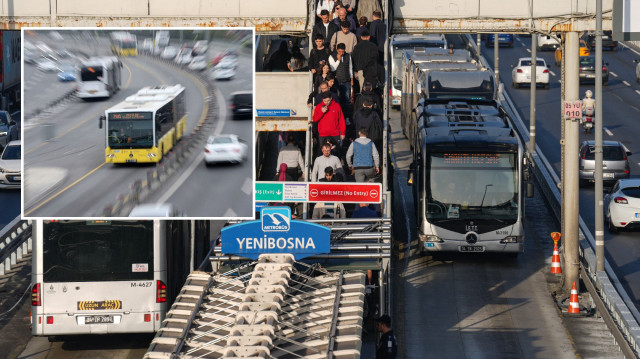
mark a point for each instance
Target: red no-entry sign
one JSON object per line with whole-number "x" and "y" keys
{"x": 345, "y": 193}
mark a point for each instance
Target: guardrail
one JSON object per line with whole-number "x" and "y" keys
{"x": 614, "y": 296}
{"x": 15, "y": 243}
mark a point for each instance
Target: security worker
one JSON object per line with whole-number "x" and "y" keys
{"x": 387, "y": 346}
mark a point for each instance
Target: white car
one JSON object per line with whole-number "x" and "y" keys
{"x": 201, "y": 47}
{"x": 546, "y": 42}
{"x": 198, "y": 63}
{"x": 10, "y": 160}
{"x": 224, "y": 71}
{"x": 184, "y": 58}
{"x": 228, "y": 61}
{"x": 169, "y": 52}
{"x": 153, "y": 210}
{"x": 622, "y": 205}
{"x": 521, "y": 74}
{"x": 47, "y": 65}
{"x": 225, "y": 148}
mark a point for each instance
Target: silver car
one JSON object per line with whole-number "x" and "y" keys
{"x": 615, "y": 164}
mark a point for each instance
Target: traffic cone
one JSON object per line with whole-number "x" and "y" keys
{"x": 555, "y": 261}
{"x": 574, "y": 307}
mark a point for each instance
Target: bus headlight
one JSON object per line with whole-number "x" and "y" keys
{"x": 151, "y": 155}
{"x": 111, "y": 155}
{"x": 430, "y": 238}
{"x": 512, "y": 239}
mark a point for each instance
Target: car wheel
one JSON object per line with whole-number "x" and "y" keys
{"x": 516, "y": 85}
{"x": 637, "y": 79}
{"x": 605, "y": 82}
{"x": 546, "y": 85}
{"x": 207, "y": 164}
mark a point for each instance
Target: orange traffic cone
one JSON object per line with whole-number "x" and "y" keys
{"x": 555, "y": 261}
{"x": 574, "y": 307}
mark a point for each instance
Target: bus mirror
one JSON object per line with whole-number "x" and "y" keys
{"x": 529, "y": 190}
{"x": 102, "y": 118}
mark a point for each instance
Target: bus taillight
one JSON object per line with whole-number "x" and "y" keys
{"x": 36, "y": 299}
{"x": 161, "y": 292}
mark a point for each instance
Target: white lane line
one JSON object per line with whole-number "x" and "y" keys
{"x": 607, "y": 131}
{"x": 638, "y": 92}
{"x": 230, "y": 213}
{"x": 552, "y": 73}
{"x": 528, "y": 50}
{"x": 613, "y": 74}
{"x": 626, "y": 83}
{"x": 630, "y": 48}
{"x": 559, "y": 81}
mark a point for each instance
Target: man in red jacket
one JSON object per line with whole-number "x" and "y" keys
{"x": 328, "y": 115}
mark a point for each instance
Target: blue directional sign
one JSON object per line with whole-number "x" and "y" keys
{"x": 275, "y": 112}
{"x": 275, "y": 232}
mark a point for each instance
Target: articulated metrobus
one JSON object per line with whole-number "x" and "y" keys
{"x": 467, "y": 178}
{"x": 146, "y": 125}
{"x": 104, "y": 277}
{"x": 124, "y": 44}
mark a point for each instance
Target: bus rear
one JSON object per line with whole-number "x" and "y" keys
{"x": 98, "y": 277}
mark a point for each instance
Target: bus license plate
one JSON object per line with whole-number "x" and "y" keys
{"x": 98, "y": 319}
{"x": 132, "y": 161}
{"x": 471, "y": 248}
{"x": 607, "y": 175}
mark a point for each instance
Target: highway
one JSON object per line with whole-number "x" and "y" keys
{"x": 620, "y": 111}
{"x": 64, "y": 149}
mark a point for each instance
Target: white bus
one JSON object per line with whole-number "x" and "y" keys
{"x": 104, "y": 277}
{"x": 99, "y": 77}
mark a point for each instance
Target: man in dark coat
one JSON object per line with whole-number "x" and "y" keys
{"x": 325, "y": 27}
{"x": 365, "y": 57}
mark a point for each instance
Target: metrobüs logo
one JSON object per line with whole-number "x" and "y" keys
{"x": 275, "y": 219}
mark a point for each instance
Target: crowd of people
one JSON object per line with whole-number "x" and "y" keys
{"x": 346, "y": 63}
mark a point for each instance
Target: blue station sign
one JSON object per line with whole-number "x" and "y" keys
{"x": 275, "y": 232}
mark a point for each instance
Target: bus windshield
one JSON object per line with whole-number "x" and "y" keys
{"x": 90, "y": 73}
{"x": 87, "y": 251}
{"x": 472, "y": 186}
{"x": 130, "y": 130}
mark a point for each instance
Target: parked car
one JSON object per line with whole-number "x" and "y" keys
{"x": 521, "y": 73}
{"x": 547, "y": 43}
{"x": 147, "y": 46}
{"x": 10, "y": 161}
{"x": 8, "y": 129}
{"x": 241, "y": 104}
{"x": 608, "y": 43}
{"x": 503, "y": 40}
{"x": 615, "y": 164}
{"x": 225, "y": 148}
{"x": 588, "y": 70}
{"x": 184, "y": 57}
{"x": 224, "y": 71}
{"x": 169, "y": 52}
{"x": 200, "y": 48}
{"x": 622, "y": 205}
{"x": 198, "y": 63}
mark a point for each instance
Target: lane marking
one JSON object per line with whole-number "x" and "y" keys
{"x": 64, "y": 189}
{"x": 528, "y": 50}
{"x": 613, "y": 74}
{"x": 638, "y": 92}
{"x": 607, "y": 131}
{"x": 247, "y": 187}
{"x": 626, "y": 83}
{"x": 230, "y": 213}
{"x": 552, "y": 73}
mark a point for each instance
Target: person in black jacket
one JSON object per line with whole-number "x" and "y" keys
{"x": 365, "y": 57}
{"x": 325, "y": 27}
{"x": 280, "y": 58}
{"x": 387, "y": 345}
{"x": 319, "y": 54}
{"x": 368, "y": 92}
{"x": 364, "y": 116}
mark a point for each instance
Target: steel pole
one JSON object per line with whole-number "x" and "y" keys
{"x": 532, "y": 97}
{"x": 570, "y": 171}
{"x": 598, "y": 138}
{"x": 496, "y": 60}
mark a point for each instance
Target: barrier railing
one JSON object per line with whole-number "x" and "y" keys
{"x": 15, "y": 243}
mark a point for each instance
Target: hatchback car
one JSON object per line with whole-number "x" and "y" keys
{"x": 241, "y": 105}
{"x": 198, "y": 63}
{"x": 169, "y": 52}
{"x": 588, "y": 70}
{"x": 547, "y": 43}
{"x": 521, "y": 73}
{"x": 225, "y": 148}
{"x": 615, "y": 164}
{"x": 224, "y": 71}
{"x": 503, "y": 40}
{"x": 622, "y": 205}
{"x": 10, "y": 171}
{"x": 8, "y": 129}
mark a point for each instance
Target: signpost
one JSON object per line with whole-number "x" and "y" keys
{"x": 318, "y": 192}
{"x": 275, "y": 232}
{"x": 572, "y": 110}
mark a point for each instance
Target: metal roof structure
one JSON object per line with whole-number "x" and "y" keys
{"x": 273, "y": 307}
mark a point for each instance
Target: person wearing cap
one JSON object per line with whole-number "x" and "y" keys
{"x": 387, "y": 346}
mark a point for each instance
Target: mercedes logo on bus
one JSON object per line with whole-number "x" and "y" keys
{"x": 471, "y": 238}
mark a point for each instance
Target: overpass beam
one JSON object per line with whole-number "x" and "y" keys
{"x": 570, "y": 201}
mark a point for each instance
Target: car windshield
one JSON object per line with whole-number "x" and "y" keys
{"x": 528, "y": 63}
{"x": 11, "y": 153}
{"x": 633, "y": 192}
{"x": 220, "y": 140}
{"x": 609, "y": 153}
{"x": 589, "y": 61}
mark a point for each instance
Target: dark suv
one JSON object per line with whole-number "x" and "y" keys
{"x": 607, "y": 41}
{"x": 587, "y": 72}
{"x": 242, "y": 104}
{"x": 615, "y": 164}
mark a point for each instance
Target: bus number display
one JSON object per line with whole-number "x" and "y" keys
{"x": 130, "y": 116}
{"x": 471, "y": 158}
